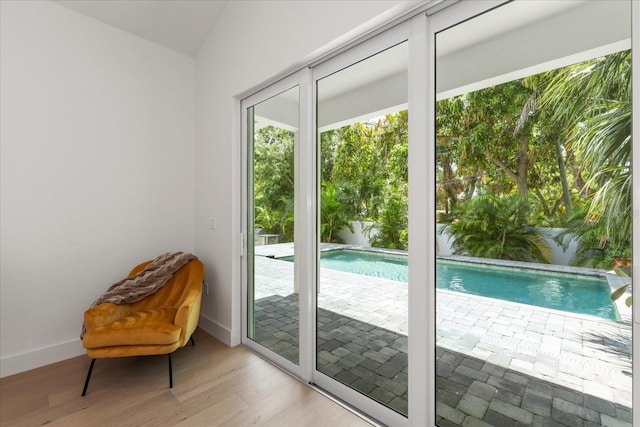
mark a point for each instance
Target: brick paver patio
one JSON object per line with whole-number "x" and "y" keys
{"x": 498, "y": 363}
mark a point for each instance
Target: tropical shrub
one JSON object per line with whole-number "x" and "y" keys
{"x": 594, "y": 248}
{"x": 392, "y": 225}
{"x": 276, "y": 220}
{"x": 498, "y": 227}
{"x": 332, "y": 214}
{"x": 266, "y": 219}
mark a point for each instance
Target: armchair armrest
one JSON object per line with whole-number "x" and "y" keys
{"x": 188, "y": 315}
{"x": 104, "y": 314}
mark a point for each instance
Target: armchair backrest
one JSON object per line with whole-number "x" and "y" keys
{"x": 185, "y": 281}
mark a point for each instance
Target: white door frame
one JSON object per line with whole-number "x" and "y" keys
{"x": 301, "y": 218}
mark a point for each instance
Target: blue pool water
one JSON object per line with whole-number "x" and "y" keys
{"x": 376, "y": 264}
{"x": 567, "y": 292}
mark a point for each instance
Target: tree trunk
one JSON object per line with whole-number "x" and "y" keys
{"x": 543, "y": 202}
{"x": 563, "y": 178}
{"x": 578, "y": 181}
{"x": 471, "y": 186}
{"x": 523, "y": 165}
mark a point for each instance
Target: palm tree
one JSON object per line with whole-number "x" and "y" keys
{"x": 498, "y": 227}
{"x": 593, "y": 100}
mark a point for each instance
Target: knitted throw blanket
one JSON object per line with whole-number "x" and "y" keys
{"x": 146, "y": 282}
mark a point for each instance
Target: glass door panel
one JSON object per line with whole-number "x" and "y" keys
{"x": 533, "y": 196}
{"x": 272, "y": 291}
{"x": 362, "y": 295}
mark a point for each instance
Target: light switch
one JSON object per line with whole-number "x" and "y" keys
{"x": 212, "y": 223}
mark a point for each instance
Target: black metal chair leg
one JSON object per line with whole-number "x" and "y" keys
{"x": 86, "y": 382}
{"x": 170, "y": 372}
{"x": 193, "y": 342}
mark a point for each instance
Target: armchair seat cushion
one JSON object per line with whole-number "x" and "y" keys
{"x": 150, "y": 326}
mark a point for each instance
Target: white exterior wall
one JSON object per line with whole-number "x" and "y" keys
{"x": 98, "y": 168}
{"x": 559, "y": 255}
{"x": 359, "y": 236}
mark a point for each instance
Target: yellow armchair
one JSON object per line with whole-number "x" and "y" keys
{"x": 157, "y": 324}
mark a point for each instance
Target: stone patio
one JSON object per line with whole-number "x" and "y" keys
{"x": 367, "y": 358}
{"x": 498, "y": 363}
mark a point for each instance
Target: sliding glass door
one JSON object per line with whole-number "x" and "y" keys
{"x": 361, "y": 314}
{"x": 272, "y": 294}
{"x": 533, "y": 203}
{"x": 405, "y": 199}
{"x": 340, "y": 197}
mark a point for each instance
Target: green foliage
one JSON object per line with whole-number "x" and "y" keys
{"x": 362, "y": 159}
{"x": 267, "y": 220}
{"x": 498, "y": 227}
{"x": 361, "y": 166}
{"x": 273, "y": 181}
{"x": 392, "y": 226}
{"x": 498, "y": 140}
{"x": 279, "y": 220}
{"x": 332, "y": 215}
{"x": 367, "y": 166}
{"x": 561, "y": 137}
{"x": 593, "y": 249}
{"x": 593, "y": 101}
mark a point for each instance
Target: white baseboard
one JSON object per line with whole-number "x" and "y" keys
{"x": 227, "y": 336}
{"x": 16, "y": 363}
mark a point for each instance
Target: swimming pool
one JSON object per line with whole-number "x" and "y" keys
{"x": 376, "y": 264}
{"x": 559, "y": 291}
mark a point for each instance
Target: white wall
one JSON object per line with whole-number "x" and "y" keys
{"x": 359, "y": 236}
{"x": 97, "y": 163}
{"x": 559, "y": 256}
{"x": 252, "y": 42}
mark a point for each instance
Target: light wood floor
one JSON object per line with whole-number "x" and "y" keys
{"x": 213, "y": 385}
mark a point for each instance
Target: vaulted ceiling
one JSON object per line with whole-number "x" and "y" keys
{"x": 181, "y": 25}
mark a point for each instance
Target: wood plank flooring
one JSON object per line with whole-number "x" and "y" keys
{"x": 213, "y": 385}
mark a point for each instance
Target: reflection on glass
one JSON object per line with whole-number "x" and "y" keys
{"x": 362, "y": 298}
{"x": 533, "y": 123}
{"x": 273, "y": 297}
